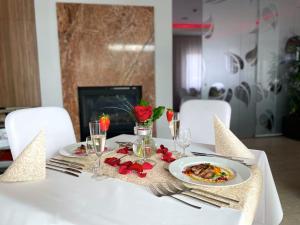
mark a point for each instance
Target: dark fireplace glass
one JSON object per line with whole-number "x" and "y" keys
{"x": 114, "y": 101}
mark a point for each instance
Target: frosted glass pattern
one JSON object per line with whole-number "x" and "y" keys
{"x": 245, "y": 61}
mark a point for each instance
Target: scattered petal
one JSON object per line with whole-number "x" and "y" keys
{"x": 162, "y": 150}
{"x": 124, "y": 170}
{"x": 113, "y": 161}
{"x": 147, "y": 166}
{"x": 168, "y": 154}
{"x": 168, "y": 158}
{"x": 127, "y": 163}
{"x": 159, "y": 150}
{"x": 136, "y": 167}
{"x": 141, "y": 175}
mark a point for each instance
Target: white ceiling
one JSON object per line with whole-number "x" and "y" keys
{"x": 187, "y": 11}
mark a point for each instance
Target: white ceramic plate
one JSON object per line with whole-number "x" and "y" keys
{"x": 68, "y": 150}
{"x": 242, "y": 172}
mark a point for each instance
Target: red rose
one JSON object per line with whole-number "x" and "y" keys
{"x": 142, "y": 113}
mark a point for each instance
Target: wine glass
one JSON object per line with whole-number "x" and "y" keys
{"x": 184, "y": 139}
{"x": 174, "y": 128}
{"x": 89, "y": 145}
{"x": 98, "y": 137}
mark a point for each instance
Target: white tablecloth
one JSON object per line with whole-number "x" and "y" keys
{"x": 63, "y": 199}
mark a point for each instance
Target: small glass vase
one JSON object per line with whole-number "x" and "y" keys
{"x": 144, "y": 146}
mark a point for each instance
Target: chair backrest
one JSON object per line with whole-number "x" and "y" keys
{"x": 23, "y": 125}
{"x": 197, "y": 115}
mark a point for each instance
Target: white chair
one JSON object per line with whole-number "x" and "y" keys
{"x": 23, "y": 125}
{"x": 197, "y": 115}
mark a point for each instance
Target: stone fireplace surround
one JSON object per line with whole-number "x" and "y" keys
{"x": 49, "y": 56}
{"x": 98, "y": 49}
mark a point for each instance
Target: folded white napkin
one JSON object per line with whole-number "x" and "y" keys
{"x": 30, "y": 165}
{"x": 226, "y": 143}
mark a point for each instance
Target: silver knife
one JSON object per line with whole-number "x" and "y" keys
{"x": 62, "y": 171}
{"x": 66, "y": 161}
{"x": 221, "y": 156}
{"x": 63, "y": 167}
{"x": 66, "y": 164}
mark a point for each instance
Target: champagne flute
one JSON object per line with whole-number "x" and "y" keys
{"x": 98, "y": 137}
{"x": 184, "y": 139}
{"x": 174, "y": 128}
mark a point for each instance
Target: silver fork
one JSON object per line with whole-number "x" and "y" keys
{"x": 167, "y": 192}
{"x": 158, "y": 194}
{"x": 185, "y": 188}
{"x": 175, "y": 189}
{"x": 182, "y": 191}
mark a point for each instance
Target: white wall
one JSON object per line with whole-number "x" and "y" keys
{"x": 49, "y": 61}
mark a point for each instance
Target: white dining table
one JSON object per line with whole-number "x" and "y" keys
{"x": 61, "y": 199}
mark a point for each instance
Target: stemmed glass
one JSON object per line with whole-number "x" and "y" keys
{"x": 174, "y": 128}
{"x": 98, "y": 137}
{"x": 89, "y": 146}
{"x": 184, "y": 139}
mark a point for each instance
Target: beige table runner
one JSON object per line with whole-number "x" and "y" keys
{"x": 247, "y": 193}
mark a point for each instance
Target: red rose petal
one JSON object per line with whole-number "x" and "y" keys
{"x": 124, "y": 170}
{"x": 106, "y": 160}
{"x": 168, "y": 157}
{"x": 147, "y": 166}
{"x": 113, "y": 161}
{"x": 123, "y": 150}
{"x": 168, "y": 154}
{"x": 171, "y": 160}
{"x": 141, "y": 175}
{"x": 110, "y": 159}
{"x": 165, "y": 151}
{"x": 127, "y": 163}
{"x": 162, "y": 150}
{"x": 159, "y": 151}
{"x": 165, "y": 157}
{"x": 136, "y": 167}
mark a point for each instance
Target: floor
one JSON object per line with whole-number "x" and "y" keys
{"x": 284, "y": 158}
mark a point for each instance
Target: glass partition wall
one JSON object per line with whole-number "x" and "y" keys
{"x": 244, "y": 60}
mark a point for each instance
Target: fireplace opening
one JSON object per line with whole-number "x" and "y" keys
{"x": 114, "y": 101}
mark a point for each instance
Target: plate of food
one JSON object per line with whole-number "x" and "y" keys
{"x": 209, "y": 171}
{"x": 76, "y": 150}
